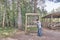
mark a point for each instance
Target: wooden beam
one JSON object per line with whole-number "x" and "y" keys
{"x": 26, "y": 24}
{"x": 32, "y": 14}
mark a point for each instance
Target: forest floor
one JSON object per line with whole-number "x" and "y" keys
{"x": 47, "y": 35}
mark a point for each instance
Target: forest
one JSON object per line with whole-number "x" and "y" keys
{"x": 12, "y": 15}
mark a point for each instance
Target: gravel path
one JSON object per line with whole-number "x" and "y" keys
{"x": 47, "y": 35}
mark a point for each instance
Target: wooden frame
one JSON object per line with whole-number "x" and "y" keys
{"x": 31, "y": 14}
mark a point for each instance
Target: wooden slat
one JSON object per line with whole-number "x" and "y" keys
{"x": 32, "y": 14}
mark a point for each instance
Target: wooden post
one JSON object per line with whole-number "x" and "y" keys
{"x": 45, "y": 19}
{"x": 39, "y": 17}
{"x": 51, "y": 18}
{"x": 58, "y": 19}
{"x": 26, "y": 24}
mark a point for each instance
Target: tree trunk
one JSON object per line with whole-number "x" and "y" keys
{"x": 19, "y": 15}
{"x": 35, "y": 6}
{"x": 3, "y": 24}
{"x": 3, "y": 19}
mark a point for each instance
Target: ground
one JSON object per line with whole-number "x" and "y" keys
{"x": 47, "y": 35}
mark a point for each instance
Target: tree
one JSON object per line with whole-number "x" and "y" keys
{"x": 19, "y": 14}
{"x": 35, "y": 6}
{"x": 42, "y": 5}
{"x": 58, "y": 9}
{"x": 4, "y": 13}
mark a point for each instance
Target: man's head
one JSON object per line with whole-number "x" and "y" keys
{"x": 37, "y": 19}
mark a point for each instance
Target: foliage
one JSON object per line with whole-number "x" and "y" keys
{"x": 11, "y": 16}
{"x": 7, "y": 31}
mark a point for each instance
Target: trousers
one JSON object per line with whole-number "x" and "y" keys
{"x": 39, "y": 32}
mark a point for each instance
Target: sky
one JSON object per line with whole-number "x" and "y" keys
{"x": 51, "y": 4}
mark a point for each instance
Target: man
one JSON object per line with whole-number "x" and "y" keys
{"x": 39, "y": 27}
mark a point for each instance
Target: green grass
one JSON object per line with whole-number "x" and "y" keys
{"x": 7, "y": 31}
{"x": 32, "y": 29}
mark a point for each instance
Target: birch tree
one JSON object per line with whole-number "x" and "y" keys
{"x": 19, "y": 15}
{"x": 3, "y": 23}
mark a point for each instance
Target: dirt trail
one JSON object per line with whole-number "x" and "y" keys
{"x": 47, "y": 35}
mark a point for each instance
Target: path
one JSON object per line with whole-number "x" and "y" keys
{"x": 47, "y": 35}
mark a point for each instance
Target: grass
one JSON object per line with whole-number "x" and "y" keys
{"x": 32, "y": 29}
{"x": 7, "y": 31}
